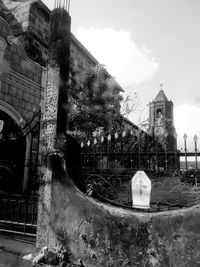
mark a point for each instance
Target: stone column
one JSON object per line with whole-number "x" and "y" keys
{"x": 48, "y": 148}
{"x": 54, "y": 118}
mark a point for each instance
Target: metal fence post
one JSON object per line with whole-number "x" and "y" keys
{"x": 195, "y": 150}
{"x": 185, "y": 145}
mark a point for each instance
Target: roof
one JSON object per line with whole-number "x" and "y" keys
{"x": 160, "y": 97}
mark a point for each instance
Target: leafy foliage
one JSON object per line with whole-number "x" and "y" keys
{"x": 95, "y": 101}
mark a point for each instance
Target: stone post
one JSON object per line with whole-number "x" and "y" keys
{"x": 54, "y": 121}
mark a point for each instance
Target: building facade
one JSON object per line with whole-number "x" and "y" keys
{"x": 21, "y": 92}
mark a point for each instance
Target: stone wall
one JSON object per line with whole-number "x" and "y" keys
{"x": 108, "y": 236}
{"x": 22, "y": 84}
{"x": 81, "y": 58}
{"x": 30, "y": 23}
{"x": 21, "y": 78}
{"x": 35, "y": 37}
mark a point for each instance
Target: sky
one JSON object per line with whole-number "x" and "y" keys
{"x": 145, "y": 43}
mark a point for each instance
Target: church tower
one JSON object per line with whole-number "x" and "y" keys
{"x": 161, "y": 121}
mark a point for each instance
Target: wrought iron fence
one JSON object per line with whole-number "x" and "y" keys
{"x": 134, "y": 150}
{"x": 167, "y": 193}
{"x": 34, "y": 162}
{"x": 18, "y": 213}
{"x": 14, "y": 151}
{"x": 110, "y": 162}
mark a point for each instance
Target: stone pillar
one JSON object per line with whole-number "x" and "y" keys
{"x": 49, "y": 147}
{"x": 54, "y": 118}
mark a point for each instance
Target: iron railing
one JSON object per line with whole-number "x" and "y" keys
{"x": 110, "y": 161}
{"x": 127, "y": 149}
{"x": 135, "y": 150}
{"x": 167, "y": 193}
{"x": 18, "y": 213}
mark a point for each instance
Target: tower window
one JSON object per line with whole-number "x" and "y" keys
{"x": 159, "y": 112}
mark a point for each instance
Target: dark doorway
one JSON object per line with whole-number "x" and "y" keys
{"x": 12, "y": 155}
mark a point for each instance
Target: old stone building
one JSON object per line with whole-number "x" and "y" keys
{"x": 24, "y": 35}
{"x": 21, "y": 86}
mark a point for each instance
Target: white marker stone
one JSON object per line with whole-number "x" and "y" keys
{"x": 141, "y": 190}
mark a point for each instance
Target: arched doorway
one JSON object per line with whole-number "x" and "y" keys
{"x": 12, "y": 156}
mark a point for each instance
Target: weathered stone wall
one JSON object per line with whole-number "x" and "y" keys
{"x": 104, "y": 235}
{"x": 21, "y": 78}
{"x": 21, "y": 91}
{"x": 80, "y": 57}
{"x": 35, "y": 36}
{"x": 30, "y": 23}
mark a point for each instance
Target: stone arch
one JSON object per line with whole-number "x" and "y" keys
{"x": 8, "y": 109}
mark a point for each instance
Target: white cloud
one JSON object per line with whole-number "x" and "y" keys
{"x": 186, "y": 120}
{"x": 120, "y": 55}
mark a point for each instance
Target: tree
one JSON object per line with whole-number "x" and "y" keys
{"x": 130, "y": 104}
{"x": 95, "y": 101}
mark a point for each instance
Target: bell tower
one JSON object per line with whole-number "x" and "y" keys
{"x": 161, "y": 121}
